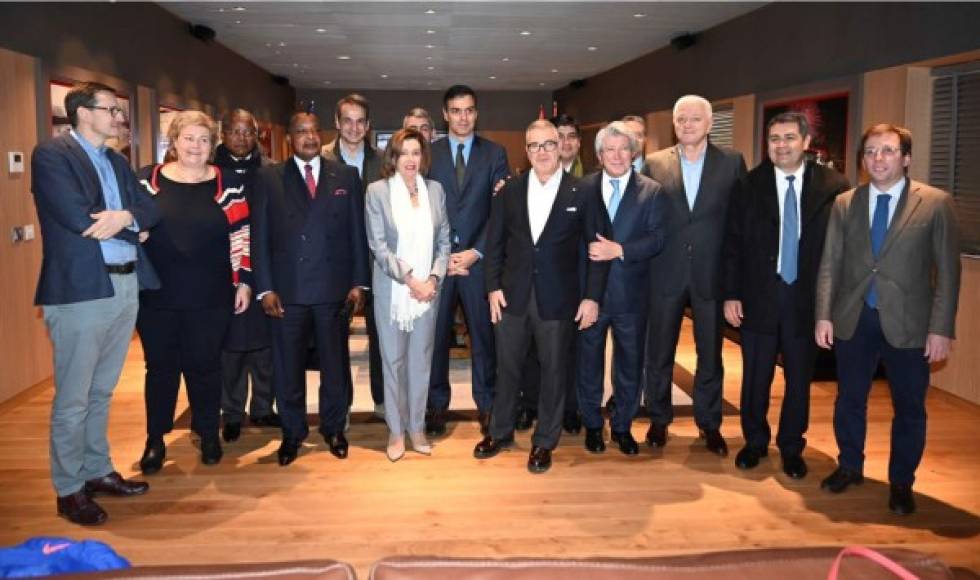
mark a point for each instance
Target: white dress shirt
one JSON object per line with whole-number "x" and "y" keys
{"x": 315, "y": 163}
{"x": 781, "y": 186}
{"x": 540, "y": 199}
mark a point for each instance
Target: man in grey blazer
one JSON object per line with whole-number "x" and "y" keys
{"x": 698, "y": 179}
{"x": 887, "y": 290}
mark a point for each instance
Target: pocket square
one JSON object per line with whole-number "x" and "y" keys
{"x": 573, "y": 208}
{"x": 340, "y": 192}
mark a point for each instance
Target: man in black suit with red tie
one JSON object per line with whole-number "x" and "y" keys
{"x": 773, "y": 242}
{"x": 538, "y": 223}
{"x": 310, "y": 257}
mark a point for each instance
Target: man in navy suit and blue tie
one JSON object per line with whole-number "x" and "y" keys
{"x": 91, "y": 211}
{"x": 637, "y": 212}
{"x": 310, "y": 260}
{"x": 468, "y": 167}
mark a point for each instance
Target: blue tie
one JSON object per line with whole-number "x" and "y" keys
{"x": 879, "y": 228}
{"x": 614, "y": 199}
{"x": 791, "y": 244}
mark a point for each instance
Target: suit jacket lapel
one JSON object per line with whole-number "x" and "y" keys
{"x": 452, "y": 192}
{"x": 859, "y": 210}
{"x": 907, "y": 205}
{"x": 770, "y": 201}
{"x": 294, "y": 185}
{"x": 325, "y": 184}
{"x": 626, "y": 204}
{"x": 707, "y": 170}
{"x": 565, "y": 189}
{"x": 475, "y": 152}
{"x": 678, "y": 177}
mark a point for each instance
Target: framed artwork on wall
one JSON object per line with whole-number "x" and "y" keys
{"x": 828, "y": 118}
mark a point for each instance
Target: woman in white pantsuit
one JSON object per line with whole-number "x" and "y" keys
{"x": 408, "y": 233}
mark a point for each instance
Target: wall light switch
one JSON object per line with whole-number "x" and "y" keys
{"x": 28, "y": 232}
{"x": 15, "y": 162}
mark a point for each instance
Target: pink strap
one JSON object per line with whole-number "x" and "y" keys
{"x": 872, "y": 555}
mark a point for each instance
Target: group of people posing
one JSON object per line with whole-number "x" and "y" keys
{"x": 232, "y": 267}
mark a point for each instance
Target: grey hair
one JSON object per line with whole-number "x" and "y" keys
{"x": 693, "y": 99}
{"x": 616, "y": 129}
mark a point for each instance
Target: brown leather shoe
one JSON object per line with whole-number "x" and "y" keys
{"x": 79, "y": 509}
{"x": 114, "y": 484}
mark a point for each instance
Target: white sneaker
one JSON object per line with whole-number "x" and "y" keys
{"x": 379, "y": 410}
{"x": 396, "y": 447}
{"x": 420, "y": 444}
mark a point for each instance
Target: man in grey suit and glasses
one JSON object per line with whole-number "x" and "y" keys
{"x": 698, "y": 179}
{"x": 90, "y": 209}
{"x": 887, "y": 290}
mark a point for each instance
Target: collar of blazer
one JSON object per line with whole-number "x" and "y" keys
{"x": 908, "y": 203}
{"x": 90, "y": 172}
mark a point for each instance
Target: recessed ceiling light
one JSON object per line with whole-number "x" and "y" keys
{"x": 492, "y": 77}
{"x": 327, "y": 82}
{"x": 430, "y": 31}
{"x": 282, "y": 44}
{"x": 430, "y": 11}
{"x": 238, "y": 22}
{"x": 239, "y": 9}
{"x": 296, "y": 64}
{"x": 430, "y": 46}
{"x": 278, "y": 52}
{"x": 639, "y": 15}
{"x": 593, "y": 48}
{"x": 505, "y": 59}
{"x": 269, "y": 44}
{"x": 554, "y": 70}
{"x": 343, "y": 57}
{"x": 428, "y": 58}
{"x": 429, "y": 83}
{"x": 430, "y": 68}
{"x": 540, "y": 84}
{"x": 221, "y": 9}
{"x": 321, "y": 30}
{"x": 525, "y": 33}
{"x": 384, "y": 76}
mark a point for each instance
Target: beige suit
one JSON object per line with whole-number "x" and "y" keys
{"x": 917, "y": 272}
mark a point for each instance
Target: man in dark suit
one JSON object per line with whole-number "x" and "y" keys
{"x": 353, "y": 122}
{"x": 887, "y": 290}
{"x": 310, "y": 259}
{"x": 538, "y": 223}
{"x": 468, "y": 167}
{"x": 247, "y": 351}
{"x": 698, "y": 179}
{"x": 92, "y": 214}
{"x": 773, "y": 242}
{"x": 637, "y": 212}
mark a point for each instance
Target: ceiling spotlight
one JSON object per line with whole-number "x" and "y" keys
{"x": 269, "y": 44}
{"x": 430, "y": 46}
{"x": 430, "y": 31}
{"x": 430, "y": 11}
{"x": 639, "y": 15}
{"x": 505, "y": 59}
{"x": 321, "y": 30}
{"x": 430, "y": 68}
{"x": 525, "y": 33}
{"x": 554, "y": 70}
{"x": 296, "y": 64}
{"x": 540, "y": 84}
{"x": 428, "y": 58}
{"x": 384, "y": 76}
{"x": 239, "y": 9}
{"x": 326, "y": 82}
{"x": 593, "y": 48}
{"x": 429, "y": 83}
{"x": 343, "y": 57}
{"x": 238, "y": 22}
{"x": 492, "y": 77}
{"x": 282, "y": 44}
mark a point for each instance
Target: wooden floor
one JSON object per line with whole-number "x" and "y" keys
{"x": 678, "y": 500}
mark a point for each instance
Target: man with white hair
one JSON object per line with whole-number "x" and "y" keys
{"x": 698, "y": 179}
{"x": 637, "y": 212}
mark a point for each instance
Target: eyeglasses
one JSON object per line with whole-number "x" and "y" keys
{"x": 547, "y": 146}
{"x": 113, "y": 111}
{"x": 886, "y": 151}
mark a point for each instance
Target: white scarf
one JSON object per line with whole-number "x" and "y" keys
{"x": 414, "y": 225}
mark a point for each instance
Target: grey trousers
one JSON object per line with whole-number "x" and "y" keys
{"x": 406, "y": 359}
{"x": 237, "y": 367}
{"x": 90, "y": 342}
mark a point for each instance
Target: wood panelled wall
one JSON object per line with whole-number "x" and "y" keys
{"x": 25, "y": 352}
{"x": 958, "y": 375}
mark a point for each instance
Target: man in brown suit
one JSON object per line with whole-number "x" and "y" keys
{"x": 887, "y": 290}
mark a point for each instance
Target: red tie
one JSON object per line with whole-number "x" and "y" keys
{"x": 310, "y": 182}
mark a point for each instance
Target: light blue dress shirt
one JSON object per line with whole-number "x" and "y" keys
{"x": 356, "y": 161}
{"x": 114, "y": 251}
{"x": 467, "y": 147}
{"x": 691, "y": 171}
{"x": 895, "y": 191}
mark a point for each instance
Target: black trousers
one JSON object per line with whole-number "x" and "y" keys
{"x": 663, "y": 330}
{"x": 238, "y": 369}
{"x": 759, "y": 353}
{"x": 532, "y": 383}
{"x": 290, "y": 340}
{"x": 554, "y": 340}
{"x": 908, "y": 377}
{"x": 188, "y": 343}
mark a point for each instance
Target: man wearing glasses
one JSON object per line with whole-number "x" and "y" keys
{"x": 91, "y": 211}
{"x": 887, "y": 291}
{"x": 247, "y": 350}
{"x": 468, "y": 167}
{"x": 538, "y": 223}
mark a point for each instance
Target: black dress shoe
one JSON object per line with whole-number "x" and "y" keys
{"x": 748, "y": 457}
{"x": 794, "y": 466}
{"x": 287, "y": 452}
{"x": 114, "y": 484}
{"x": 656, "y": 435}
{"x": 715, "y": 442}
{"x": 841, "y": 479}
{"x": 525, "y": 419}
{"x": 270, "y": 420}
{"x": 593, "y": 440}
{"x": 435, "y": 423}
{"x": 337, "y": 444}
{"x": 901, "y": 500}
{"x": 79, "y": 508}
{"x": 484, "y": 420}
{"x": 488, "y": 447}
{"x": 627, "y": 444}
{"x": 211, "y": 452}
{"x": 539, "y": 460}
{"x": 611, "y": 405}
{"x": 153, "y": 456}
{"x": 231, "y": 432}
{"x": 572, "y": 424}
